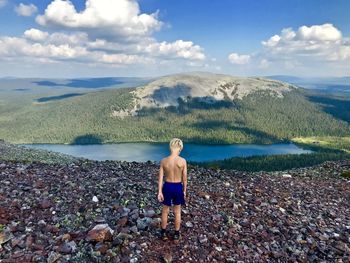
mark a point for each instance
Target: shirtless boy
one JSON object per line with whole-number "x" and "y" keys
{"x": 173, "y": 192}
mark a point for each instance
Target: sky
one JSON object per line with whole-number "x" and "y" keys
{"x": 96, "y": 38}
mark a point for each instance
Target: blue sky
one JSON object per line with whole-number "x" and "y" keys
{"x": 59, "y": 38}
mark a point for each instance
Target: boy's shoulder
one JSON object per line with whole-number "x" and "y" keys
{"x": 183, "y": 160}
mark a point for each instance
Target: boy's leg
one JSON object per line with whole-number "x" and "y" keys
{"x": 177, "y": 212}
{"x": 165, "y": 212}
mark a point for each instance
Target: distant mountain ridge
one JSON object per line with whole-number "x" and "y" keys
{"x": 330, "y": 84}
{"x": 77, "y": 83}
{"x": 324, "y": 80}
{"x": 204, "y": 87}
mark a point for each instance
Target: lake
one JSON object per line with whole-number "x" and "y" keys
{"x": 142, "y": 152}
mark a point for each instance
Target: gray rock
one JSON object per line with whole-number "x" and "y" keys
{"x": 189, "y": 224}
{"x": 143, "y": 223}
{"x": 273, "y": 201}
{"x": 150, "y": 213}
{"x": 53, "y": 257}
{"x": 134, "y": 229}
{"x": 202, "y": 239}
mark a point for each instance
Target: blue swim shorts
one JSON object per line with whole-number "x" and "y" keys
{"x": 173, "y": 194}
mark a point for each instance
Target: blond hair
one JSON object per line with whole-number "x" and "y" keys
{"x": 176, "y": 143}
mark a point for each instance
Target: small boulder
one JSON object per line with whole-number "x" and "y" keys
{"x": 143, "y": 223}
{"x": 101, "y": 232}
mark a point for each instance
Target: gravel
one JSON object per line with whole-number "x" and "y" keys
{"x": 48, "y": 213}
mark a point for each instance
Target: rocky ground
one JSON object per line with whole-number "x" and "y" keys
{"x": 108, "y": 212}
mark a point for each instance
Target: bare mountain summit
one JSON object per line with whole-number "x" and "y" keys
{"x": 206, "y": 87}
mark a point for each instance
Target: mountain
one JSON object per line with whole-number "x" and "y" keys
{"x": 204, "y": 87}
{"x": 198, "y": 107}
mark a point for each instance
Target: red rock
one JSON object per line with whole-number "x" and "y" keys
{"x": 37, "y": 247}
{"x": 39, "y": 184}
{"x": 102, "y": 248}
{"x": 77, "y": 235}
{"x": 18, "y": 254}
{"x": 52, "y": 229}
{"x": 122, "y": 222}
{"x": 4, "y": 221}
{"x": 29, "y": 241}
{"x": 16, "y": 241}
{"x": 27, "y": 258}
{"x": 101, "y": 232}
{"x": 4, "y": 215}
{"x": 45, "y": 203}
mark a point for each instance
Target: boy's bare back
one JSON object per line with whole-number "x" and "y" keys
{"x": 173, "y": 167}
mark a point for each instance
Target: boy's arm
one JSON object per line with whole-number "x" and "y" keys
{"x": 184, "y": 177}
{"x": 160, "y": 178}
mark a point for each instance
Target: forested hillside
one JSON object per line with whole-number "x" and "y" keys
{"x": 88, "y": 117}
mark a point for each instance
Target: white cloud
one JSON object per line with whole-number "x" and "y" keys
{"x": 315, "y": 49}
{"x": 102, "y": 18}
{"x": 179, "y": 48}
{"x": 235, "y": 58}
{"x": 15, "y": 47}
{"x": 124, "y": 59}
{"x": 3, "y": 3}
{"x": 42, "y": 46}
{"x": 35, "y": 34}
{"x": 325, "y": 32}
{"x": 273, "y": 41}
{"x": 26, "y": 10}
{"x": 106, "y": 32}
{"x": 317, "y": 42}
{"x": 75, "y": 39}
